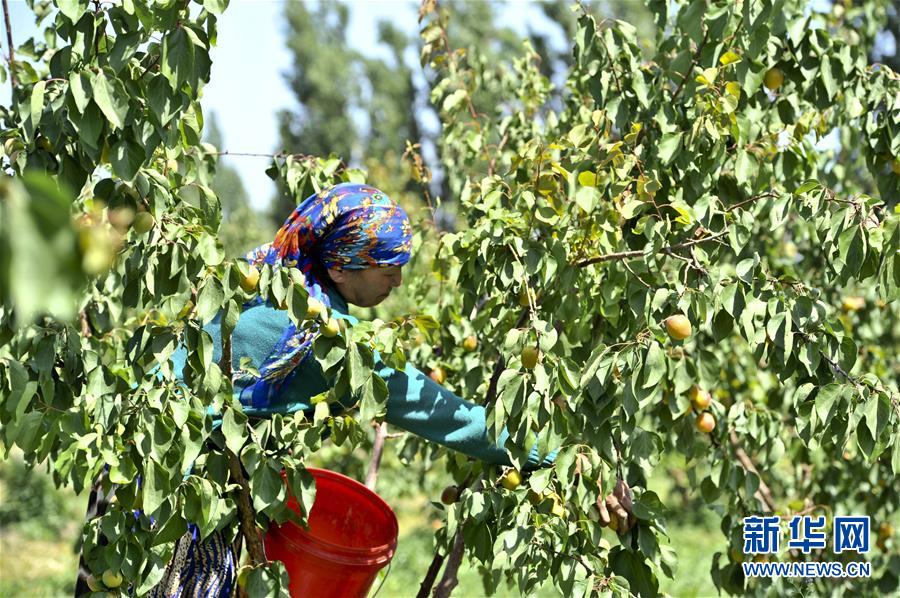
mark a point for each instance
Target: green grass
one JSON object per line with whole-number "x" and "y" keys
{"x": 39, "y": 525}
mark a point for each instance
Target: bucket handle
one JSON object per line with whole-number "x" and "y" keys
{"x": 386, "y": 573}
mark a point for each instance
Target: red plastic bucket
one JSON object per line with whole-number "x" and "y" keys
{"x": 352, "y": 535}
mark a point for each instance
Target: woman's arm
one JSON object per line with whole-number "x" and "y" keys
{"x": 419, "y": 405}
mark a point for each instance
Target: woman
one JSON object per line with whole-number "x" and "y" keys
{"x": 350, "y": 242}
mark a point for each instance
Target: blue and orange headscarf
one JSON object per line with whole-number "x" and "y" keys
{"x": 348, "y": 226}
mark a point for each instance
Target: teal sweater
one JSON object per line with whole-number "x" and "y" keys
{"x": 415, "y": 402}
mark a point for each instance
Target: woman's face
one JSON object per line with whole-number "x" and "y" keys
{"x": 368, "y": 287}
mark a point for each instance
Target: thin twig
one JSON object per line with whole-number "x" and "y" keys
{"x": 691, "y": 67}
{"x": 626, "y": 255}
{"x": 750, "y": 200}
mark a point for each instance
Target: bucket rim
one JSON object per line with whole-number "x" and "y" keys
{"x": 373, "y": 555}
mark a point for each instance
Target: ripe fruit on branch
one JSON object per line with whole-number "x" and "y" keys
{"x": 112, "y": 579}
{"x": 470, "y": 343}
{"x": 706, "y": 422}
{"x": 438, "y": 374}
{"x": 143, "y": 222}
{"x": 530, "y": 357}
{"x": 331, "y": 328}
{"x": 700, "y": 399}
{"x": 249, "y": 282}
{"x": 121, "y": 218}
{"x": 774, "y": 78}
{"x": 678, "y": 326}
{"x": 511, "y": 479}
{"x": 314, "y": 308}
{"x": 853, "y": 303}
{"x": 558, "y": 509}
{"x": 450, "y": 495}
{"x": 523, "y": 297}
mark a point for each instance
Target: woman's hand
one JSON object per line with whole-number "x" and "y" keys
{"x": 616, "y": 509}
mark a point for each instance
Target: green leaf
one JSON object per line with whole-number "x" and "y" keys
{"x": 729, "y": 57}
{"x": 454, "y": 99}
{"x": 807, "y": 186}
{"x": 669, "y": 146}
{"x": 234, "y": 428}
{"x": 266, "y": 488}
{"x": 826, "y": 399}
{"x": 745, "y": 168}
{"x": 37, "y": 102}
{"x": 587, "y": 198}
{"x": 79, "y": 89}
{"x": 72, "y": 9}
{"x": 216, "y": 7}
{"x": 654, "y": 366}
{"x": 111, "y": 97}
{"x": 827, "y": 76}
{"x": 153, "y": 487}
{"x": 210, "y": 300}
{"x": 877, "y": 413}
{"x": 177, "y": 58}
{"x": 210, "y": 249}
{"x": 126, "y": 158}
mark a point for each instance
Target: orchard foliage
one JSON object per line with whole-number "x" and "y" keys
{"x": 672, "y": 181}
{"x": 110, "y": 260}
{"x": 676, "y": 182}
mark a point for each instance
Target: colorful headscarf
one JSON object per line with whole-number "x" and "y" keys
{"x": 350, "y": 226}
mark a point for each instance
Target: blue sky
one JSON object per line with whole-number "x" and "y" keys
{"x": 247, "y": 87}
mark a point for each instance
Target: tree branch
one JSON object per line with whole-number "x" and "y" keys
{"x": 627, "y": 255}
{"x": 377, "y": 449}
{"x": 11, "y": 59}
{"x": 246, "y": 513}
{"x": 433, "y": 569}
{"x": 763, "y": 493}
{"x": 450, "y": 579}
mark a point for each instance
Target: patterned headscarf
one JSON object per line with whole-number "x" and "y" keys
{"x": 349, "y": 226}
